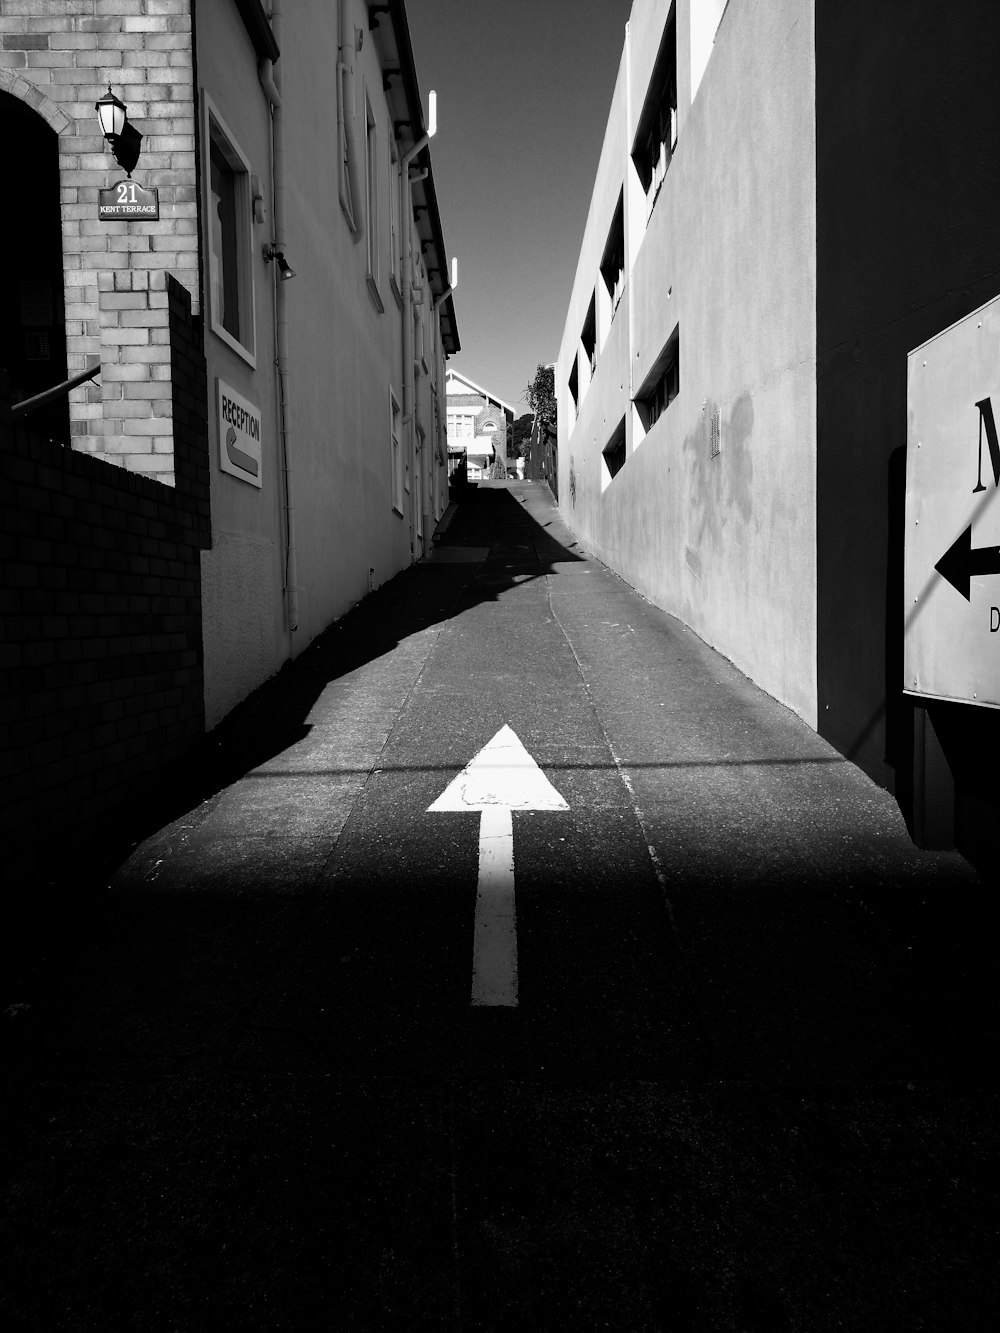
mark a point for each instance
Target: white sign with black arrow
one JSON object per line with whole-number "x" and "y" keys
{"x": 951, "y": 551}
{"x": 501, "y": 778}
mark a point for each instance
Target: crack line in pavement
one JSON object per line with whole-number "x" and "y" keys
{"x": 626, "y": 780}
{"x": 654, "y": 858}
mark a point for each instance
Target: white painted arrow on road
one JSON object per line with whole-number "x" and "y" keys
{"x": 501, "y": 778}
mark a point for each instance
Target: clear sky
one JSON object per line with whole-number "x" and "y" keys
{"x": 524, "y": 88}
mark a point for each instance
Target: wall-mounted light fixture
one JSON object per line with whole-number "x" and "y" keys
{"x": 440, "y": 300}
{"x": 121, "y": 134}
{"x": 285, "y": 270}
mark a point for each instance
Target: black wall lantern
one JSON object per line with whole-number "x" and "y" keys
{"x": 124, "y": 138}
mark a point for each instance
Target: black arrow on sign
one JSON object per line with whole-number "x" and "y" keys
{"x": 960, "y": 562}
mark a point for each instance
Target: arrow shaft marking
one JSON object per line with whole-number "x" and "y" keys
{"x": 494, "y": 950}
{"x": 502, "y": 777}
{"x": 984, "y": 560}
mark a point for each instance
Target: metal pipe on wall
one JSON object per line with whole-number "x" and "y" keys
{"x": 406, "y": 235}
{"x": 268, "y": 83}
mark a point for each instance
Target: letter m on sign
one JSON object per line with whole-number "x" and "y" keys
{"x": 986, "y": 419}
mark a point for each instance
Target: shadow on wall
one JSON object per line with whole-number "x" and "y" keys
{"x": 901, "y": 255}
{"x": 717, "y": 491}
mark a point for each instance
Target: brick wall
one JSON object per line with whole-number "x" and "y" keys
{"x": 58, "y": 56}
{"x": 100, "y": 613}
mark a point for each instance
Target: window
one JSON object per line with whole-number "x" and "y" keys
{"x": 394, "y": 250}
{"x": 613, "y": 262}
{"x": 230, "y": 275}
{"x": 347, "y": 201}
{"x": 397, "y": 455}
{"x": 589, "y": 338}
{"x": 613, "y": 455}
{"x": 371, "y": 175}
{"x": 661, "y": 385}
{"x": 574, "y": 385}
{"x": 462, "y": 422}
{"x": 225, "y": 266}
{"x": 418, "y": 483}
{"x": 656, "y": 135}
{"x": 419, "y": 349}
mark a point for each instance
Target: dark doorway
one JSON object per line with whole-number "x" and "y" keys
{"x": 32, "y": 312}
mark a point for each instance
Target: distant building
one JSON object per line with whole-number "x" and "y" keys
{"x": 769, "y": 236}
{"x": 479, "y": 425}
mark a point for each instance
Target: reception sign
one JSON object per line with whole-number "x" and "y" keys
{"x": 239, "y": 435}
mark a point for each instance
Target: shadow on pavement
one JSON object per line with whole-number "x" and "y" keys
{"x": 490, "y": 545}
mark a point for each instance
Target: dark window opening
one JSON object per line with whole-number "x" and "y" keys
{"x": 574, "y": 384}
{"x": 614, "y": 450}
{"x": 656, "y": 136}
{"x": 613, "y": 262}
{"x": 225, "y": 243}
{"x": 662, "y": 384}
{"x": 589, "y": 336}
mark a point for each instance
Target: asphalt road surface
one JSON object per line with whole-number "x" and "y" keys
{"x": 661, "y": 1024}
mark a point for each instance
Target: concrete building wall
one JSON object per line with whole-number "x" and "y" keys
{"x": 725, "y": 541}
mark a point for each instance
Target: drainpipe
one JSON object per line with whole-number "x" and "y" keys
{"x": 436, "y": 328}
{"x": 351, "y": 197}
{"x": 406, "y": 234}
{"x": 416, "y": 296}
{"x": 278, "y": 245}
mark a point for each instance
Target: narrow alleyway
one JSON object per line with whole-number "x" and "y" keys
{"x": 739, "y": 1077}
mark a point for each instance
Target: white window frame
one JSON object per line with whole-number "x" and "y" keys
{"x": 396, "y": 453}
{"x": 217, "y": 132}
{"x": 461, "y": 424}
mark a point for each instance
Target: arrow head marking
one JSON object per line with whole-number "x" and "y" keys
{"x": 503, "y": 773}
{"x": 956, "y": 563}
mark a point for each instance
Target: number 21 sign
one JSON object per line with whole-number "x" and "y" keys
{"x": 126, "y": 201}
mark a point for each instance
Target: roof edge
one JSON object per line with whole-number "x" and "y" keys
{"x": 258, "y": 26}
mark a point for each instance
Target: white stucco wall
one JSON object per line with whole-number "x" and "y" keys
{"x": 726, "y": 543}
{"x": 243, "y": 623}
{"x": 344, "y": 357}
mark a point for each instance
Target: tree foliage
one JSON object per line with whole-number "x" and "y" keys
{"x": 540, "y": 395}
{"x": 520, "y": 435}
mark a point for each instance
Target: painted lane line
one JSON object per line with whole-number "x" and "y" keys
{"x": 501, "y": 778}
